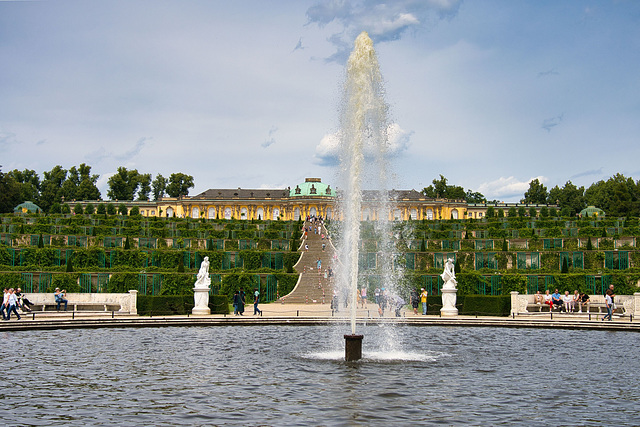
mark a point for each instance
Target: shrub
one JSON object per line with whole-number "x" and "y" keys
{"x": 178, "y": 305}
{"x": 102, "y": 209}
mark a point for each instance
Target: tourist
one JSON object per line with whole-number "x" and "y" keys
{"x": 319, "y": 265}
{"x": 576, "y": 299}
{"x": 414, "y": 299}
{"x": 538, "y": 298}
{"x": 306, "y": 247}
{"x": 363, "y": 297}
{"x": 242, "y": 301}
{"x": 12, "y": 304}
{"x": 609, "y": 301}
{"x": 548, "y": 300}
{"x": 256, "y": 299}
{"x": 584, "y": 300}
{"x": 59, "y": 296}
{"x": 5, "y": 305}
{"x": 376, "y": 295}
{"x": 323, "y": 246}
{"x": 236, "y": 303}
{"x": 423, "y": 300}
{"x": 399, "y": 302}
{"x": 557, "y": 299}
{"x": 610, "y": 292}
{"x": 23, "y": 303}
{"x": 567, "y": 302}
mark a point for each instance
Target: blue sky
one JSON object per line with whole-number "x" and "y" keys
{"x": 490, "y": 94}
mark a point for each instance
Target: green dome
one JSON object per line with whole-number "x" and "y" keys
{"x": 27, "y": 207}
{"x": 312, "y": 187}
{"x": 591, "y": 211}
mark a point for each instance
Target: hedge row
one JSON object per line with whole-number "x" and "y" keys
{"x": 178, "y": 304}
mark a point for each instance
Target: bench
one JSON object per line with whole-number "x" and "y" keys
{"x": 625, "y": 305}
{"x": 102, "y": 302}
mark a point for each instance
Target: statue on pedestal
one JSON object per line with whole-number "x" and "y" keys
{"x": 449, "y": 290}
{"x": 201, "y": 289}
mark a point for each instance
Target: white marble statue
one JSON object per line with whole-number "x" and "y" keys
{"x": 201, "y": 290}
{"x": 203, "y": 280}
{"x": 449, "y": 275}
{"x": 449, "y": 290}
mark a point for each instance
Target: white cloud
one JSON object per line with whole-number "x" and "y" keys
{"x": 507, "y": 189}
{"x": 328, "y": 150}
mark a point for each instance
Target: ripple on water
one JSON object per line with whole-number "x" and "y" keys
{"x": 297, "y": 376}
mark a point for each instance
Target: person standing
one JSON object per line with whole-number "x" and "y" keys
{"x": 236, "y": 303}
{"x": 256, "y": 299}
{"x": 242, "y": 302}
{"x": 363, "y": 297}
{"x": 609, "y": 301}
{"x": 423, "y": 300}
{"x": 415, "y": 299}
{"x": 5, "y": 306}
{"x": 12, "y": 303}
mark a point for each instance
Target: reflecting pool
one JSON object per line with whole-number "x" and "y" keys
{"x": 279, "y": 375}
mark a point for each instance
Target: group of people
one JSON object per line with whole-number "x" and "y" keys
{"x": 568, "y": 303}
{"x": 13, "y": 301}
{"x": 417, "y": 299}
{"x": 239, "y": 298}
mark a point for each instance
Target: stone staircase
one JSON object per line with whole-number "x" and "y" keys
{"x": 312, "y": 287}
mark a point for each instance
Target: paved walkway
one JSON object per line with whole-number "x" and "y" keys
{"x": 309, "y": 314}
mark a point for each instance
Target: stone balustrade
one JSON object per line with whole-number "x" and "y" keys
{"x": 629, "y": 304}
{"x": 120, "y": 302}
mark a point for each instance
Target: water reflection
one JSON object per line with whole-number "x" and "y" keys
{"x": 274, "y": 375}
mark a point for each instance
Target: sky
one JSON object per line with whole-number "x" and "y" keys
{"x": 490, "y": 94}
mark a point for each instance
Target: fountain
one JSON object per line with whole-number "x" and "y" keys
{"x": 363, "y": 144}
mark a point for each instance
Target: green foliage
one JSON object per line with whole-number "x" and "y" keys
{"x": 69, "y": 268}
{"x": 66, "y": 281}
{"x": 536, "y": 194}
{"x": 90, "y": 209}
{"x": 101, "y": 209}
{"x": 177, "y": 284}
{"x": 486, "y": 305}
{"x": 111, "y": 209}
{"x": 78, "y": 209}
{"x": 167, "y": 305}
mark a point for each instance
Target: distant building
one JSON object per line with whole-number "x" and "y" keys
{"x": 309, "y": 198}
{"x": 27, "y": 207}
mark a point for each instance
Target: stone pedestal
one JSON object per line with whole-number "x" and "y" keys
{"x": 201, "y": 301}
{"x": 352, "y": 347}
{"x": 449, "y": 296}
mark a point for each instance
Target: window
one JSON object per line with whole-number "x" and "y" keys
{"x": 212, "y": 213}
{"x": 195, "y": 213}
{"x": 414, "y": 214}
{"x": 454, "y": 214}
{"x": 169, "y": 212}
{"x": 276, "y": 213}
{"x": 429, "y": 214}
{"x": 329, "y": 213}
{"x": 260, "y": 213}
{"x": 227, "y": 213}
{"x": 243, "y": 213}
{"x": 296, "y": 214}
{"x": 366, "y": 214}
{"x": 313, "y": 212}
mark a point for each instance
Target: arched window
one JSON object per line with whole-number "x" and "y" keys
{"x": 414, "y": 214}
{"x": 212, "y": 213}
{"x": 276, "y": 213}
{"x": 366, "y": 214}
{"x": 397, "y": 215}
{"x": 195, "y": 213}
{"x": 169, "y": 212}
{"x": 296, "y": 214}
{"x": 429, "y": 214}
{"x": 260, "y": 213}
{"x": 454, "y": 214}
{"x": 313, "y": 212}
{"x": 243, "y": 213}
{"x": 329, "y": 213}
{"x": 227, "y": 213}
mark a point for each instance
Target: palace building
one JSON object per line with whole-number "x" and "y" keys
{"x": 309, "y": 198}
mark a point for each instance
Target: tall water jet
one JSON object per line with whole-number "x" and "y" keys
{"x": 363, "y": 146}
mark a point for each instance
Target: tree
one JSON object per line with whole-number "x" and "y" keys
{"x": 537, "y": 193}
{"x": 124, "y": 184}
{"x": 134, "y": 211}
{"x": 533, "y": 212}
{"x": 77, "y": 209}
{"x": 111, "y": 209}
{"x": 159, "y": 187}
{"x": 86, "y": 188}
{"x": 570, "y": 199}
{"x": 513, "y": 212}
{"x": 179, "y": 184}
{"x": 101, "y": 209}
{"x": 9, "y": 193}
{"x": 491, "y": 212}
{"x": 522, "y": 212}
{"x": 618, "y": 196}
{"x": 122, "y": 209}
{"x": 145, "y": 186}
{"x": 90, "y": 209}
{"x": 565, "y": 265}
{"x": 65, "y": 209}
{"x": 475, "y": 197}
{"x": 28, "y": 182}
{"x": 440, "y": 189}
{"x": 51, "y": 188}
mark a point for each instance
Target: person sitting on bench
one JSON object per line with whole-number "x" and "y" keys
{"x": 556, "y": 298}
{"x": 60, "y": 298}
{"x": 583, "y": 301}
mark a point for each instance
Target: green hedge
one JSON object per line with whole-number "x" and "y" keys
{"x": 177, "y": 304}
{"x": 481, "y": 305}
